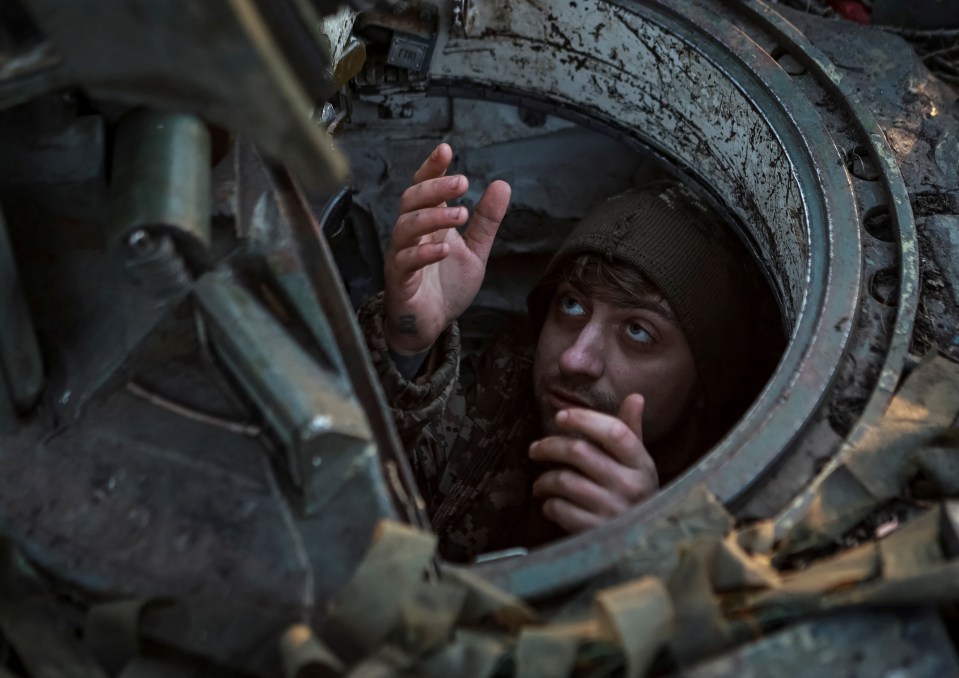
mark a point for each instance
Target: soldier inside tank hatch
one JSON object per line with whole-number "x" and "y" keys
{"x": 635, "y": 362}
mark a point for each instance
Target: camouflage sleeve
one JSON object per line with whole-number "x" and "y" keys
{"x": 419, "y": 402}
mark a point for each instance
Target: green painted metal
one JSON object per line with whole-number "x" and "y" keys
{"x": 161, "y": 178}
{"x": 21, "y": 365}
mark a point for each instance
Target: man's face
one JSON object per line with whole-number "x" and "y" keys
{"x": 593, "y": 353}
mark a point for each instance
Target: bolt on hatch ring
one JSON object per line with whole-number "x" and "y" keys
{"x": 701, "y": 89}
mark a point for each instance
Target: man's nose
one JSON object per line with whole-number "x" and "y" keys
{"x": 584, "y": 356}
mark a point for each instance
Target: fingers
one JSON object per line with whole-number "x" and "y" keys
{"x": 487, "y": 218}
{"x": 433, "y": 192}
{"x": 569, "y": 516}
{"x": 412, "y": 259}
{"x": 420, "y": 216}
{"x": 577, "y": 503}
{"x": 579, "y": 491}
{"x": 612, "y": 434}
{"x": 632, "y": 485}
{"x": 435, "y": 165}
{"x": 582, "y": 456}
{"x": 631, "y": 413}
{"x": 604, "y": 466}
{"x": 412, "y": 226}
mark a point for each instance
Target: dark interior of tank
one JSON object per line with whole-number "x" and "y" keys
{"x": 558, "y": 171}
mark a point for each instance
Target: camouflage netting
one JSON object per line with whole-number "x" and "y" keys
{"x": 695, "y": 586}
{"x": 881, "y": 530}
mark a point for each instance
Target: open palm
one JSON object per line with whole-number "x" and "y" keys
{"x": 432, "y": 272}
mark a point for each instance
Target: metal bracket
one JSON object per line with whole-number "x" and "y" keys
{"x": 21, "y": 365}
{"x": 320, "y": 426}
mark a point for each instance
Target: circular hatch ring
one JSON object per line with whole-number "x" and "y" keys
{"x": 794, "y": 160}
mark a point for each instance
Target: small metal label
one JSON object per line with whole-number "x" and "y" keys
{"x": 409, "y": 51}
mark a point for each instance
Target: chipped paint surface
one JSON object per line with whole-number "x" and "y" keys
{"x": 694, "y": 87}
{"x": 336, "y": 29}
{"x": 640, "y": 74}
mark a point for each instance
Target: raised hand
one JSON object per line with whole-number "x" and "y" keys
{"x": 604, "y": 468}
{"x": 432, "y": 273}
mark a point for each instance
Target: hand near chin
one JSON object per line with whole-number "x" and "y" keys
{"x": 604, "y": 471}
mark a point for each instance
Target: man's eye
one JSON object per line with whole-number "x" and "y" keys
{"x": 570, "y": 306}
{"x": 638, "y": 333}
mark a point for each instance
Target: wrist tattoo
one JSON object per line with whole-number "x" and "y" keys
{"x": 407, "y": 324}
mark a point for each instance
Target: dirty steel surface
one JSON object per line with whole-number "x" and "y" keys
{"x": 918, "y": 114}
{"x": 863, "y": 643}
{"x": 145, "y": 472}
{"x": 149, "y": 470}
{"x": 220, "y": 61}
{"x": 788, "y": 128}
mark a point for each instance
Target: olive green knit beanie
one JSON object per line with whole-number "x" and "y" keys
{"x": 669, "y": 235}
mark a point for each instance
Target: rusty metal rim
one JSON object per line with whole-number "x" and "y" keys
{"x": 903, "y": 222}
{"x": 832, "y": 298}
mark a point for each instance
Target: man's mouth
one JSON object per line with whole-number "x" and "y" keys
{"x": 563, "y": 400}
{"x": 563, "y": 394}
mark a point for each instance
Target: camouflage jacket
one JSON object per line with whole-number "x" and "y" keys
{"x": 468, "y": 445}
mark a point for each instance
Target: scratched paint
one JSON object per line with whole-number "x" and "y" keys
{"x": 631, "y": 70}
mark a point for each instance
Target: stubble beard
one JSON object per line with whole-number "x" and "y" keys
{"x": 582, "y": 389}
